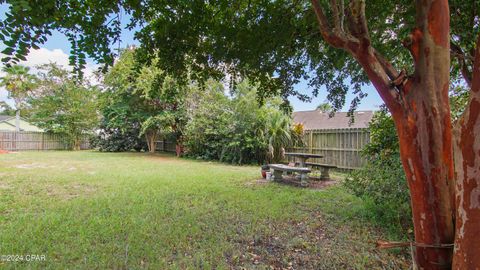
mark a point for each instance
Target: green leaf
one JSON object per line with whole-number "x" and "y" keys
{"x": 8, "y": 51}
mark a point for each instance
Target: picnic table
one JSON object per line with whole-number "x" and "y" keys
{"x": 325, "y": 168}
{"x": 303, "y": 157}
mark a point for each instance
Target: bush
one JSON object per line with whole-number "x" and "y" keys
{"x": 230, "y": 129}
{"x": 381, "y": 182}
{"x": 116, "y": 140}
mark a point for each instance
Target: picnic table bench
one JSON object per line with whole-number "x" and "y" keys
{"x": 324, "y": 169}
{"x": 279, "y": 169}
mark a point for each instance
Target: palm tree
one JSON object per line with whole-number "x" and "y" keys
{"x": 324, "y": 107}
{"x": 279, "y": 135}
{"x": 18, "y": 82}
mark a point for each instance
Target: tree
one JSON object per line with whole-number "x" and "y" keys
{"x": 18, "y": 82}
{"x": 139, "y": 97}
{"x": 164, "y": 99}
{"x": 154, "y": 126}
{"x": 122, "y": 108}
{"x": 64, "y": 105}
{"x": 324, "y": 107}
{"x": 279, "y": 135}
{"x": 276, "y": 43}
{"x": 5, "y": 109}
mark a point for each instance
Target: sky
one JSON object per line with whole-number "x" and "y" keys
{"x": 57, "y": 49}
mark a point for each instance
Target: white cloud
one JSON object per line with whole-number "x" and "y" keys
{"x": 45, "y": 56}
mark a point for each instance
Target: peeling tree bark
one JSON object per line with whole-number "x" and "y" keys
{"x": 467, "y": 168}
{"x": 420, "y": 107}
{"x": 151, "y": 138}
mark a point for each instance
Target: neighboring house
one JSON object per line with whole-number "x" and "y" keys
{"x": 7, "y": 123}
{"x": 320, "y": 120}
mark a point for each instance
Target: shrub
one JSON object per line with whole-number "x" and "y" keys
{"x": 231, "y": 129}
{"x": 116, "y": 140}
{"x": 381, "y": 182}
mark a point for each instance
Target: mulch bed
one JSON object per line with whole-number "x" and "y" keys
{"x": 4, "y": 151}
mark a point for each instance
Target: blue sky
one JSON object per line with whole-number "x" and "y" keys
{"x": 57, "y": 47}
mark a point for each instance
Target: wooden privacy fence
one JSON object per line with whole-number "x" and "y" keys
{"x": 165, "y": 146}
{"x": 19, "y": 141}
{"x": 340, "y": 147}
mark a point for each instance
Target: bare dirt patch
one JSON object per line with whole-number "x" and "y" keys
{"x": 33, "y": 166}
{"x": 311, "y": 243}
{"x": 70, "y": 191}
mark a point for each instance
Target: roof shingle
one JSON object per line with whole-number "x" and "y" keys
{"x": 321, "y": 120}
{"x": 5, "y": 117}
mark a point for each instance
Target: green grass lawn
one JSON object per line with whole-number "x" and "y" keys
{"x": 91, "y": 210}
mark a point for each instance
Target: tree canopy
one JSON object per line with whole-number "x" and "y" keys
{"x": 276, "y": 43}
{"x": 64, "y": 105}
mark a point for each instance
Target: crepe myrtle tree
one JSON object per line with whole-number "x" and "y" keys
{"x": 410, "y": 51}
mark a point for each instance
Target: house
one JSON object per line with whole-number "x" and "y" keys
{"x": 317, "y": 119}
{"x": 7, "y": 123}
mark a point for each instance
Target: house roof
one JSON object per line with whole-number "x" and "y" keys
{"x": 8, "y": 123}
{"x": 5, "y": 117}
{"x": 320, "y": 120}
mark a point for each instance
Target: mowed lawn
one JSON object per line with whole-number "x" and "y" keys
{"x": 91, "y": 210}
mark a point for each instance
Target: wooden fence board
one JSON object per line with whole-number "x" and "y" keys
{"x": 22, "y": 141}
{"x": 340, "y": 147}
{"x": 166, "y": 146}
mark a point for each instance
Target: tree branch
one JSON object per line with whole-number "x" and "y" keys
{"x": 380, "y": 72}
{"x": 358, "y": 22}
{"x": 475, "y": 84}
{"x": 475, "y": 88}
{"x": 458, "y": 53}
{"x": 332, "y": 38}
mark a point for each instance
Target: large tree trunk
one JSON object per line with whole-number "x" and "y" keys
{"x": 424, "y": 132}
{"x": 420, "y": 107}
{"x": 467, "y": 169}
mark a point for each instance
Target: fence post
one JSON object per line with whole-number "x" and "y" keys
{"x": 43, "y": 141}
{"x": 310, "y": 144}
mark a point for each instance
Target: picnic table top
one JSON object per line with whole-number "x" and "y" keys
{"x": 304, "y": 155}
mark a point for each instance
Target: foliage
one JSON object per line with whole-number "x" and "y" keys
{"x": 137, "y": 97}
{"x": 64, "y": 105}
{"x": 381, "y": 182}
{"x": 383, "y": 136}
{"x": 209, "y": 126}
{"x": 278, "y": 135}
{"x": 165, "y": 99}
{"x": 19, "y": 83}
{"x": 235, "y": 129}
{"x": 121, "y": 109}
{"x": 6, "y": 109}
{"x": 459, "y": 97}
{"x": 324, "y": 107}
{"x": 111, "y": 139}
{"x": 209, "y": 36}
{"x": 162, "y": 122}
{"x": 138, "y": 103}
